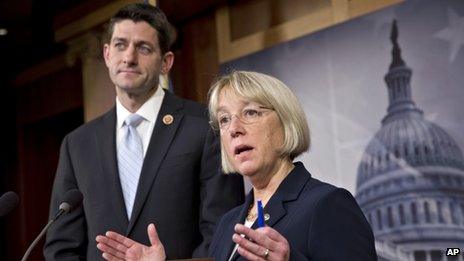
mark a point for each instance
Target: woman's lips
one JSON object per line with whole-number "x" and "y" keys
{"x": 242, "y": 148}
{"x": 243, "y": 153}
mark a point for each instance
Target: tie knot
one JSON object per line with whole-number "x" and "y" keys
{"x": 133, "y": 120}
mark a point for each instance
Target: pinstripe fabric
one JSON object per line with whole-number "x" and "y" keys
{"x": 130, "y": 160}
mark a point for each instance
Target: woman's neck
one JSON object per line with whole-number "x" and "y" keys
{"x": 266, "y": 187}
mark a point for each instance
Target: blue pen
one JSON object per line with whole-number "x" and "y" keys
{"x": 260, "y": 214}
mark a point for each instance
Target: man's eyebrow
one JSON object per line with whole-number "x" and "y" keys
{"x": 137, "y": 42}
{"x": 118, "y": 39}
{"x": 142, "y": 42}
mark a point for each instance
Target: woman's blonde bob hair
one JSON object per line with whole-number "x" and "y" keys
{"x": 270, "y": 93}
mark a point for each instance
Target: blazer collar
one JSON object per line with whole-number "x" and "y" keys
{"x": 161, "y": 138}
{"x": 289, "y": 190}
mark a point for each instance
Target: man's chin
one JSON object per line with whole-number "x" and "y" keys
{"x": 128, "y": 86}
{"x": 136, "y": 90}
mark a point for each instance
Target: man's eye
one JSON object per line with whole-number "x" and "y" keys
{"x": 119, "y": 46}
{"x": 144, "y": 50}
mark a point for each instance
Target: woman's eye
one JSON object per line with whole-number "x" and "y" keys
{"x": 250, "y": 113}
{"x": 223, "y": 120}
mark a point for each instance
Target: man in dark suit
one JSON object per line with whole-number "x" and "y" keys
{"x": 151, "y": 159}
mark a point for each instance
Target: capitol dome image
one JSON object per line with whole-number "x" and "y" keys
{"x": 410, "y": 181}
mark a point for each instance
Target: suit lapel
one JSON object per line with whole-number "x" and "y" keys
{"x": 105, "y": 136}
{"x": 160, "y": 142}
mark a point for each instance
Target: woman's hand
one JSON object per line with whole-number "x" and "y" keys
{"x": 261, "y": 244}
{"x": 118, "y": 247}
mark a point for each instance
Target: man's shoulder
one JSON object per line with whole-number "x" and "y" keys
{"x": 189, "y": 107}
{"x": 107, "y": 120}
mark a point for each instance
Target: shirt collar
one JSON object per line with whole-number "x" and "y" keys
{"x": 149, "y": 110}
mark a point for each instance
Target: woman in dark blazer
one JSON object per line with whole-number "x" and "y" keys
{"x": 263, "y": 128}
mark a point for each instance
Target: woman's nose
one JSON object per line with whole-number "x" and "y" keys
{"x": 236, "y": 126}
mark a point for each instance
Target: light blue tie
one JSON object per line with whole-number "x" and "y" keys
{"x": 130, "y": 160}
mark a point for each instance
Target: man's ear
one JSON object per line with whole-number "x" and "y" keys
{"x": 168, "y": 61}
{"x": 106, "y": 53}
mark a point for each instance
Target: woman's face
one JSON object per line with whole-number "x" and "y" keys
{"x": 252, "y": 143}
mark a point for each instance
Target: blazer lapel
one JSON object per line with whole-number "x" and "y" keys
{"x": 288, "y": 191}
{"x": 160, "y": 142}
{"x": 230, "y": 230}
{"x": 105, "y": 136}
{"x": 274, "y": 209}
